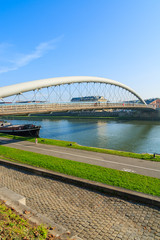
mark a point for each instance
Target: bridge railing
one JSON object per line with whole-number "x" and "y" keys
{"x": 53, "y": 107}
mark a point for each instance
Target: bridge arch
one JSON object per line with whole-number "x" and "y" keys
{"x": 19, "y": 88}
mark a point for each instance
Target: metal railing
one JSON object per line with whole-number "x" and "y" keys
{"x": 55, "y": 107}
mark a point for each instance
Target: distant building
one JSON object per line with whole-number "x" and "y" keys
{"x": 155, "y": 103}
{"x": 89, "y": 99}
{"x": 150, "y": 100}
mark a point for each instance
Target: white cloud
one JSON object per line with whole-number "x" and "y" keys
{"x": 25, "y": 59}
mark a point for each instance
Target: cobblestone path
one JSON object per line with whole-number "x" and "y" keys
{"x": 92, "y": 216}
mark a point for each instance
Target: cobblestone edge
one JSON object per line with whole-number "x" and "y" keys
{"x": 87, "y": 184}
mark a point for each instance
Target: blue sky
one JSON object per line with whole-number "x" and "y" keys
{"x": 116, "y": 39}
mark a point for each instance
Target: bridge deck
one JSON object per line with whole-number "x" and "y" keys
{"x": 47, "y": 108}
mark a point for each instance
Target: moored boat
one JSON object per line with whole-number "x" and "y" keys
{"x": 29, "y": 130}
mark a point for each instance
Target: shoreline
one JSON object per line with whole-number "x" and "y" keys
{"x": 70, "y": 144}
{"x": 49, "y": 116}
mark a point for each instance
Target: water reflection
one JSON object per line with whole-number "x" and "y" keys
{"x": 127, "y": 136}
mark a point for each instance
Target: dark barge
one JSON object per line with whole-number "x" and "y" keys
{"x": 28, "y": 130}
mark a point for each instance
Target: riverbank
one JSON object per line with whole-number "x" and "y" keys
{"x": 122, "y": 135}
{"x": 69, "y": 144}
{"x": 80, "y": 116}
{"x": 41, "y": 117}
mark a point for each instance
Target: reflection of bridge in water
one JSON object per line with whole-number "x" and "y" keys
{"x": 56, "y": 95}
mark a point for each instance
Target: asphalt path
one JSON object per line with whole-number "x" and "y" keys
{"x": 143, "y": 167}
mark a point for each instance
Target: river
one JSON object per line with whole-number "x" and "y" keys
{"x": 131, "y": 136}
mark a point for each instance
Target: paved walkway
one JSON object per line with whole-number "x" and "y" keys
{"x": 91, "y": 215}
{"x": 148, "y": 168}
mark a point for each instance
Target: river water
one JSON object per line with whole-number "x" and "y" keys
{"x": 132, "y": 136}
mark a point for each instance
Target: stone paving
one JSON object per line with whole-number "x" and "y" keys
{"x": 92, "y": 216}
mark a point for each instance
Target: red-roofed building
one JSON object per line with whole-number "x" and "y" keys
{"x": 156, "y": 103}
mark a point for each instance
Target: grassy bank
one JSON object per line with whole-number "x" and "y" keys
{"x": 41, "y": 117}
{"x": 12, "y": 226}
{"x": 112, "y": 177}
{"x": 144, "y": 156}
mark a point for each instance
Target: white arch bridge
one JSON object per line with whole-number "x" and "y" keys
{"x": 56, "y": 95}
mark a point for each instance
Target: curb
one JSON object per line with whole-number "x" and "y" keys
{"x": 91, "y": 185}
{"x": 18, "y": 202}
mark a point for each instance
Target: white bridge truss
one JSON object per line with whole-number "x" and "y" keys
{"x": 63, "y": 89}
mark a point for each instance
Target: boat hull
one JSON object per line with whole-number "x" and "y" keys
{"x": 25, "y": 132}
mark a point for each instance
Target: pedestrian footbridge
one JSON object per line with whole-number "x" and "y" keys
{"x": 55, "y": 94}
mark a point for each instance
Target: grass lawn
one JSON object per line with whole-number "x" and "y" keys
{"x": 108, "y": 176}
